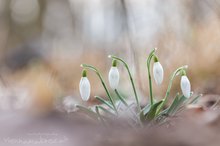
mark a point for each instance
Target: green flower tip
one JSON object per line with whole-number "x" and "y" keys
{"x": 155, "y": 49}
{"x": 81, "y": 65}
{"x": 84, "y": 73}
{"x": 114, "y": 63}
{"x": 183, "y": 72}
{"x": 155, "y": 58}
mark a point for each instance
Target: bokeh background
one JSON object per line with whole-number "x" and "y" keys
{"x": 43, "y": 43}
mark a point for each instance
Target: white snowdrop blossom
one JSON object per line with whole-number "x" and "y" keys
{"x": 185, "y": 86}
{"x": 85, "y": 89}
{"x": 158, "y": 73}
{"x": 113, "y": 77}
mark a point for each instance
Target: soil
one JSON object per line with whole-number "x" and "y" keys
{"x": 199, "y": 125}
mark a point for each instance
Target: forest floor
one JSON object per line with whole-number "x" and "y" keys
{"x": 199, "y": 125}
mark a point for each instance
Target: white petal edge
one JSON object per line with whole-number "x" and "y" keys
{"x": 114, "y": 77}
{"x": 158, "y": 73}
{"x": 185, "y": 86}
{"x": 85, "y": 89}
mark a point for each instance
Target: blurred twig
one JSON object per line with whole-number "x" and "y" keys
{"x": 132, "y": 48}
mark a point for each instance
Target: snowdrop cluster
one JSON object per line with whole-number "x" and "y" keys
{"x": 158, "y": 77}
{"x": 154, "y": 110}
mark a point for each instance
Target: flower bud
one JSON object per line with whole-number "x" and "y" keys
{"x": 158, "y": 72}
{"x": 114, "y": 76}
{"x": 84, "y": 86}
{"x": 185, "y": 86}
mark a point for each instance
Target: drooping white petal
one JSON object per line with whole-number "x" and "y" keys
{"x": 158, "y": 73}
{"x": 84, "y": 88}
{"x": 185, "y": 86}
{"x": 113, "y": 77}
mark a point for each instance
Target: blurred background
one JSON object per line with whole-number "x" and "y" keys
{"x": 43, "y": 43}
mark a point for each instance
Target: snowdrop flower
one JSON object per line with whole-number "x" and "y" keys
{"x": 114, "y": 76}
{"x": 84, "y": 86}
{"x": 157, "y": 71}
{"x": 185, "y": 85}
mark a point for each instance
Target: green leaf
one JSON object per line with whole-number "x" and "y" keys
{"x": 99, "y": 115}
{"x": 105, "y": 110}
{"x": 195, "y": 99}
{"x": 88, "y": 111}
{"x": 174, "y": 104}
{"x": 121, "y": 98}
{"x": 146, "y": 109}
{"x": 142, "y": 116}
{"x": 177, "y": 102}
{"x": 152, "y": 112}
{"x": 104, "y": 102}
{"x": 143, "y": 112}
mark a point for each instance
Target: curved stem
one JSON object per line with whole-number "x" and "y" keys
{"x": 151, "y": 55}
{"x": 131, "y": 79}
{"x": 103, "y": 83}
{"x": 175, "y": 73}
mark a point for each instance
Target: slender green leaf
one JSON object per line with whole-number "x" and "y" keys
{"x": 105, "y": 110}
{"x": 121, "y": 98}
{"x": 104, "y": 102}
{"x": 99, "y": 115}
{"x": 142, "y": 116}
{"x": 88, "y": 111}
{"x": 192, "y": 100}
{"x": 174, "y": 104}
{"x": 195, "y": 99}
{"x": 152, "y": 112}
{"x": 178, "y": 101}
{"x": 146, "y": 109}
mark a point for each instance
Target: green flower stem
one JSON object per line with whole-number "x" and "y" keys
{"x": 121, "y": 98}
{"x": 175, "y": 73}
{"x": 151, "y": 55}
{"x": 131, "y": 79}
{"x": 103, "y": 83}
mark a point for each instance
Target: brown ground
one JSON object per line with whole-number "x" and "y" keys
{"x": 197, "y": 126}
